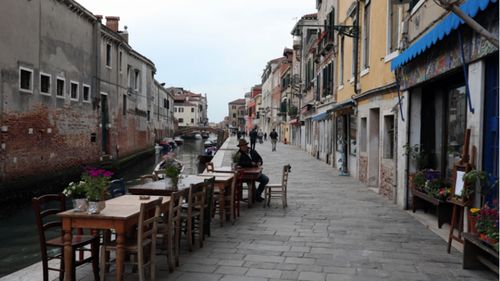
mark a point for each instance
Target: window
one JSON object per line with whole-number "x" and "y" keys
{"x": 120, "y": 61}
{"x": 165, "y": 103}
{"x": 328, "y": 80}
{"x": 136, "y": 79}
{"x": 362, "y": 135}
{"x": 353, "y": 130}
{"x": 124, "y": 104}
{"x": 354, "y": 53}
{"x": 181, "y": 109}
{"x": 192, "y": 121}
{"x": 168, "y": 104}
{"x": 456, "y": 120}
{"x": 86, "y": 93}
{"x": 389, "y": 137}
{"x": 181, "y": 120}
{"x": 175, "y": 109}
{"x": 25, "y": 80}
{"x": 234, "y": 115}
{"x": 393, "y": 26}
{"x": 341, "y": 67}
{"x": 149, "y": 115}
{"x": 234, "y": 106}
{"x": 45, "y": 85}
{"x": 73, "y": 91}
{"x": 60, "y": 87}
{"x": 192, "y": 109}
{"x": 108, "y": 55}
{"x": 366, "y": 36}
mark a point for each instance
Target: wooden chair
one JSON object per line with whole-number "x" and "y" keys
{"x": 229, "y": 198}
{"x": 148, "y": 178}
{"x": 117, "y": 188}
{"x": 192, "y": 215}
{"x": 169, "y": 230}
{"x": 46, "y": 207}
{"x": 238, "y": 193}
{"x": 207, "y": 216}
{"x": 278, "y": 190}
{"x": 145, "y": 243}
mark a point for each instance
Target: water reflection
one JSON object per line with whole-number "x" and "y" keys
{"x": 18, "y": 235}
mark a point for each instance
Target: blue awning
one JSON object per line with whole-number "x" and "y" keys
{"x": 442, "y": 29}
{"x": 321, "y": 116}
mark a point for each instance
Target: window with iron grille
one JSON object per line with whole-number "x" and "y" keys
{"x": 26, "y": 79}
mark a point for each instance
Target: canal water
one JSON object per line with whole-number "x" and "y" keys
{"x": 19, "y": 246}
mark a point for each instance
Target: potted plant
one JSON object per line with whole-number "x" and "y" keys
{"x": 77, "y": 193}
{"x": 172, "y": 171}
{"x": 96, "y": 187}
{"x": 416, "y": 154}
{"x": 487, "y": 225}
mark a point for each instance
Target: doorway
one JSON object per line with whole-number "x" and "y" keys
{"x": 373, "y": 147}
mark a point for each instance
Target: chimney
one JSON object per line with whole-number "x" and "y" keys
{"x": 98, "y": 17}
{"x": 112, "y": 23}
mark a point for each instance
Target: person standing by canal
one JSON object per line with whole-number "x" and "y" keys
{"x": 253, "y": 138}
{"x": 274, "y": 138}
{"x": 250, "y": 158}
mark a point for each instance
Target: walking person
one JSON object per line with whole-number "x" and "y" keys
{"x": 253, "y": 138}
{"x": 260, "y": 136}
{"x": 250, "y": 158}
{"x": 274, "y": 138}
{"x": 265, "y": 136}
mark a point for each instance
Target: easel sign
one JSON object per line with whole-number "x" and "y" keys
{"x": 460, "y": 190}
{"x": 459, "y": 187}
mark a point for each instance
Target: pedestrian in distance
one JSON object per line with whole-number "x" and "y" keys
{"x": 274, "y": 139}
{"x": 253, "y": 138}
{"x": 260, "y": 135}
{"x": 265, "y": 136}
{"x": 250, "y": 158}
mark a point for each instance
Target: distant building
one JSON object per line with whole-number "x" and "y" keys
{"x": 190, "y": 109}
{"x": 237, "y": 111}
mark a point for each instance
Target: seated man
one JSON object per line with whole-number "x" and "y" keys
{"x": 250, "y": 158}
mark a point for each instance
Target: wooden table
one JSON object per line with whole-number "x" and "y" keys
{"x": 120, "y": 214}
{"x": 163, "y": 187}
{"x": 222, "y": 181}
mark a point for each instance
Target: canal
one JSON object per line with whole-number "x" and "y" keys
{"x": 19, "y": 246}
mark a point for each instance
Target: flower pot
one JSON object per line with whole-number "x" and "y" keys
{"x": 80, "y": 205}
{"x": 472, "y": 220}
{"x": 95, "y": 207}
{"x": 487, "y": 239}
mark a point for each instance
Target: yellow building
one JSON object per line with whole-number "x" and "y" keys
{"x": 365, "y": 80}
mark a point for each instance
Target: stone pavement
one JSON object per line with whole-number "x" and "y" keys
{"x": 334, "y": 229}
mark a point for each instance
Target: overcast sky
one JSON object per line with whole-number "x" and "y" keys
{"x": 217, "y": 47}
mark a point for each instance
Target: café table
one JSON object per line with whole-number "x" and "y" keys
{"x": 164, "y": 187}
{"x": 120, "y": 214}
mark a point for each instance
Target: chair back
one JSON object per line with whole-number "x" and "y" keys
{"x": 209, "y": 166}
{"x": 209, "y": 192}
{"x": 117, "y": 188}
{"x": 148, "y": 222}
{"x": 45, "y": 208}
{"x": 174, "y": 210}
{"x": 286, "y": 169}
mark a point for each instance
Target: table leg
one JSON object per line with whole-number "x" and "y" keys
{"x": 251, "y": 187}
{"x": 68, "y": 255}
{"x": 222, "y": 207}
{"x": 120, "y": 254}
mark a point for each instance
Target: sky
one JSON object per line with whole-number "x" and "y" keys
{"x": 213, "y": 47}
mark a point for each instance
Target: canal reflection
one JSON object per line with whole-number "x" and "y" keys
{"x": 19, "y": 246}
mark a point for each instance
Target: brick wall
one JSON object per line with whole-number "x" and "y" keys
{"x": 387, "y": 180}
{"x": 46, "y": 141}
{"x": 363, "y": 169}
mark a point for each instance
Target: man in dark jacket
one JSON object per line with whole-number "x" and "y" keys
{"x": 253, "y": 138}
{"x": 274, "y": 139}
{"x": 250, "y": 158}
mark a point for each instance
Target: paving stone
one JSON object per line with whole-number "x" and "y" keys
{"x": 312, "y": 276}
{"x": 267, "y": 273}
{"x": 234, "y": 270}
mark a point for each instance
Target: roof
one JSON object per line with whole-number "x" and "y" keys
{"x": 238, "y": 101}
{"x": 442, "y": 29}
